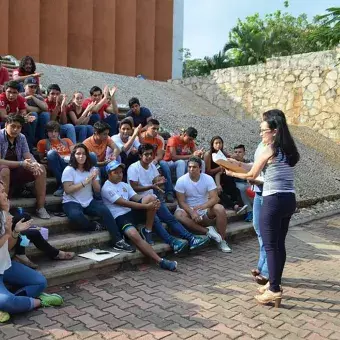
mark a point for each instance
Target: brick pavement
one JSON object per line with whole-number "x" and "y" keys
{"x": 210, "y": 297}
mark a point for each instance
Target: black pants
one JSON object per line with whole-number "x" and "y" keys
{"x": 276, "y": 211}
{"x": 35, "y": 237}
{"x": 230, "y": 194}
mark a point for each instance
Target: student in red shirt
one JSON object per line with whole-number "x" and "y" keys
{"x": 181, "y": 148}
{"x": 12, "y": 103}
{"x": 103, "y": 110}
{"x": 4, "y": 76}
{"x": 26, "y": 69}
{"x": 56, "y": 102}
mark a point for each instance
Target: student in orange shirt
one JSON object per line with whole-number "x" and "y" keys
{"x": 55, "y": 152}
{"x": 98, "y": 143}
{"x": 151, "y": 136}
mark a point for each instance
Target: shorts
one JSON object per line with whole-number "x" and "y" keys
{"x": 202, "y": 213}
{"x": 130, "y": 220}
{"x": 19, "y": 176}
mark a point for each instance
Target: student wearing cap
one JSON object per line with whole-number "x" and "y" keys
{"x": 36, "y": 105}
{"x": 129, "y": 209}
{"x": 180, "y": 148}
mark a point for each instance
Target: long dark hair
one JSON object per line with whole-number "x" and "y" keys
{"x": 283, "y": 141}
{"x": 23, "y": 62}
{"x": 212, "y": 150}
{"x": 73, "y": 162}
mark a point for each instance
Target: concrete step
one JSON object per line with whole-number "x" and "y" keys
{"x": 52, "y": 203}
{"x": 58, "y": 272}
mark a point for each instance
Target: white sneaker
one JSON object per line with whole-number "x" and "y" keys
{"x": 42, "y": 213}
{"x": 241, "y": 210}
{"x": 213, "y": 234}
{"x": 224, "y": 247}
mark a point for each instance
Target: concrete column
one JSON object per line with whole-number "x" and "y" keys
{"x": 4, "y": 25}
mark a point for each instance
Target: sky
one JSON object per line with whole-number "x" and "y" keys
{"x": 207, "y": 22}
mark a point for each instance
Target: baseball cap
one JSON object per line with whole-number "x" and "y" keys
{"x": 30, "y": 81}
{"x": 113, "y": 166}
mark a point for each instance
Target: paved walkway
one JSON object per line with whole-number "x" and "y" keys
{"x": 210, "y": 297}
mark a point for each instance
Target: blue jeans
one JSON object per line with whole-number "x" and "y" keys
{"x": 276, "y": 211}
{"x": 68, "y": 131}
{"x": 262, "y": 265}
{"x": 83, "y": 132}
{"x": 164, "y": 215}
{"x": 43, "y": 119}
{"x": 111, "y": 119}
{"x": 29, "y": 131}
{"x": 76, "y": 213}
{"x": 31, "y": 284}
{"x": 167, "y": 174}
{"x": 56, "y": 165}
{"x": 181, "y": 167}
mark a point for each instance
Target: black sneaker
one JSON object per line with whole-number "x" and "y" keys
{"x": 122, "y": 245}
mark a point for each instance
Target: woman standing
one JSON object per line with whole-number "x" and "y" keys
{"x": 80, "y": 117}
{"x": 277, "y": 158}
{"x": 30, "y": 283}
{"x": 79, "y": 180}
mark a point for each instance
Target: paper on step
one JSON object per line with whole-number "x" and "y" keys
{"x": 99, "y": 255}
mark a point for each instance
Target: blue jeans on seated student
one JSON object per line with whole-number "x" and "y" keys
{"x": 76, "y": 213}
{"x": 56, "y": 165}
{"x": 164, "y": 215}
{"x": 83, "y": 132}
{"x": 262, "y": 265}
{"x": 111, "y": 119}
{"x": 167, "y": 174}
{"x": 43, "y": 119}
{"x": 31, "y": 284}
{"x": 68, "y": 131}
{"x": 181, "y": 167}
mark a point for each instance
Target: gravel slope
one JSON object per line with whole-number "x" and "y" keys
{"x": 317, "y": 174}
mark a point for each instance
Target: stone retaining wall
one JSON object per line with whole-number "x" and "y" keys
{"x": 306, "y": 87}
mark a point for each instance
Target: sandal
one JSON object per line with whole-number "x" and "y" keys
{"x": 255, "y": 272}
{"x": 23, "y": 259}
{"x": 65, "y": 255}
{"x": 261, "y": 280}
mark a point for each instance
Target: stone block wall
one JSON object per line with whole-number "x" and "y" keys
{"x": 305, "y": 87}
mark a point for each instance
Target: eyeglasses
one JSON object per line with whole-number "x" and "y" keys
{"x": 264, "y": 130}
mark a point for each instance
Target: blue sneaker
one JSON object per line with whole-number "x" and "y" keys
{"x": 249, "y": 217}
{"x": 197, "y": 242}
{"x": 178, "y": 245}
{"x": 169, "y": 265}
{"x": 147, "y": 236}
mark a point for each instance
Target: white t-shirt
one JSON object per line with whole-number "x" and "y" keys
{"x": 144, "y": 177}
{"x": 112, "y": 192}
{"x": 5, "y": 259}
{"x": 196, "y": 193}
{"x": 119, "y": 143}
{"x": 83, "y": 196}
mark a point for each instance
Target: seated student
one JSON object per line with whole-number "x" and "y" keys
{"x": 29, "y": 283}
{"x": 4, "y": 76}
{"x": 129, "y": 209}
{"x": 198, "y": 204}
{"x": 151, "y": 136}
{"x": 12, "y": 103}
{"x": 26, "y": 69}
{"x": 242, "y": 185}
{"x": 138, "y": 114}
{"x": 80, "y": 179}
{"x": 79, "y": 116}
{"x": 102, "y": 110}
{"x": 127, "y": 142}
{"x": 180, "y": 148}
{"x": 37, "y": 106}
{"x": 17, "y": 164}
{"x": 98, "y": 143}
{"x": 34, "y": 235}
{"x": 56, "y": 103}
{"x": 226, "y": 186}
{"x": 144, "y": 178}
{"x": 56, "y": 152}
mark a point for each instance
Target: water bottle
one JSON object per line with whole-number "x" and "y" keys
{"x": 20, "y": 211}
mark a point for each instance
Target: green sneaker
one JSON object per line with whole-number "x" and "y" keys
{"x": 4, "y": 317}
{"x": 50, "y": 300}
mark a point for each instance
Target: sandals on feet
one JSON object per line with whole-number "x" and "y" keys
{"x": 255, "y": 272}
{"x": 65, "y": 255}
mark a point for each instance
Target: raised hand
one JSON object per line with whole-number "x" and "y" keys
{"x": 22, "y": 226}
{"x": 113, "y": 91}
{"x": 106, "y": 91}
{"x": 137, "y": 130}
